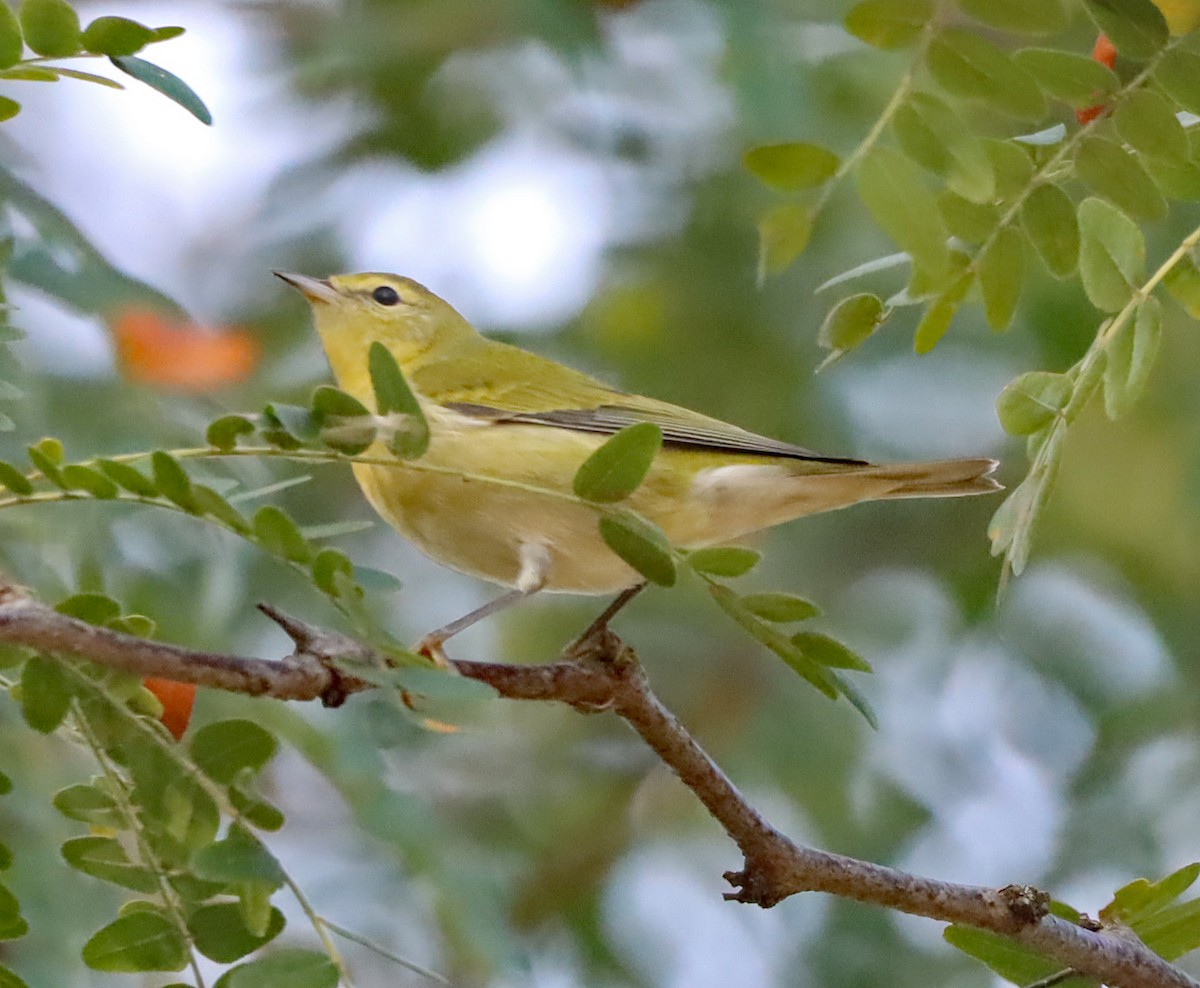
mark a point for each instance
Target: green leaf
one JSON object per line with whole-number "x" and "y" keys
{"x": 724, "y": 560}
{"x": 51, "y": 27}
{"x": 89, "y": 804}
{"x": 171, "y": 480}
{"x": 816, "y": 674}
{"x": 138, "y": 941}
{"x": 254, "y": 902}
{"x": 1177, "y": 179}
{"x": 30, "y": 73}
{"x": 224, "y": 432}
{"x": 77, "y": 477}
{"x": 1130, "y": 357}
{"x": 1141, "y": 899}
{"x": 640, "y": 544}
{"x": 162, "y": 81}
{"x": 1179, "y": 75}
{"x": 1012, "y": 166}
{"x": 326, "y": 566}
{"x": 9, "y": 979}
{"x": 1021, "y": 16}
{"x": 98, "y": 80}
{"x": 822, "y": 677}
{"x": 891, "y": 187}
{"x": 851, "y": 322}
{"x": 618, "y": 467}
{"x": 1012, "y": 962}
{"x": 221, "y": 935}
{"x": 1032, "y": 401}
{"x": 296, "y": 421}
{"x": 14, "y": 480}
{"x": 783, "y": 233}
{"x": 105, "y": 858}
{"x": 116, "y": 36}
{"x": 1112, "y": 254}
{"x": 1183, "y": 284}
{"x": 1066, "y": 75}
{"x": 940, "y": 313}
{"x": 1136, "y": 28}
{"x": 94, "y": 608}
{"x": 346, "y": 423}
{"x": 780, "y": 608}
{"x": 889, "y": 24}
{"x": 12, "y": 924}
{"x": 1147, "y": 123}
{"x": 9, "y": 108}
{"x": 45, "y": 694}
{"x": 11, "y": 43}
{"x": 47, "y": 455}
{"x": 226, "y": 748}
{"x": 127, "y": 477}
{"x": 1048, "y": 218}
{"x": 137, "y": 625}
{"x": 393, "y": 395}
{"x": 327, "y": 401}
{"x": 188, "y": 815}
{"x": 277, "y": 533}
{"x": 829, "y": 651}
{"x": 256, "y": 812}
{"x": 1118, "y": 176}
{"x": 6, "y": 861}
{"x": 293, "y": 967}
{"x": 208, "y": 502}
{"x": 240, "y": 857}
{"x": 791, "y": 167}
{"x": 377, "y": 580}
{"x": 969, "y": 221}
{"x": 935, "y": 137}
{"x": 967, "y": 64}
{"x": 1001, "y": 270}
{"x": 1172, "y": 932}
{"x": 5, "y": 784}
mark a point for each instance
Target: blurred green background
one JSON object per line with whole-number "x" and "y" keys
{"x": 567, "y": 174}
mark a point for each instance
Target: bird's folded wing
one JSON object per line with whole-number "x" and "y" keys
{"x": 680, "y": 428}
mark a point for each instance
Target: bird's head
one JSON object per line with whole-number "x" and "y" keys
{"x": 352, "y": 311}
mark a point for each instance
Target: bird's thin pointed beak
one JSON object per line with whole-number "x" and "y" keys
{"x": 313, "y": 289}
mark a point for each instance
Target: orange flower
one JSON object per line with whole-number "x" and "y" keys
{"x": 181, "y": 356}
{"x": 176, "y": 699}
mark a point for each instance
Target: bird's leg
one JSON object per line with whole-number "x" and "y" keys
{"x": 535, "y": 564}
{"x": 593, "y": 639}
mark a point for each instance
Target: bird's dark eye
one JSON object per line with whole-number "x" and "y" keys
{"x": 385, "y": 295}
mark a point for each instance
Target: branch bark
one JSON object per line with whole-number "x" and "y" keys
{"x": 599, "y": 672}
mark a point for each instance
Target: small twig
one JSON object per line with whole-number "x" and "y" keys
{"x": 601, "y": 673}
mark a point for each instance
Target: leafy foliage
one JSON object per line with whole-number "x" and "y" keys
{"x": 51, "y": 30}
{"x": 1150, "y": 910}
{"x": 970, "y": 210}
{"x": 978, "y": 206}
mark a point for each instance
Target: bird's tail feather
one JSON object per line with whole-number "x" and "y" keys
{"x": 939, "y": 478}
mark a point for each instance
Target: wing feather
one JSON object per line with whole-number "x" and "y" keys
{"x": 690, "y": 431}
{"x": 537, "y": 391}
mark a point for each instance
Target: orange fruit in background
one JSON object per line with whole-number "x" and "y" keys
{"x": 182, "y": 356}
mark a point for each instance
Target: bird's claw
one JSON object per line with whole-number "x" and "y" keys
{"x": 431, "y": 648}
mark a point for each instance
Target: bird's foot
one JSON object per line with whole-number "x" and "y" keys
{"x": 430, "y": 647}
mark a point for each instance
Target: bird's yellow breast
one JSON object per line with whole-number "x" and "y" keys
{"x": 484, "y": 489}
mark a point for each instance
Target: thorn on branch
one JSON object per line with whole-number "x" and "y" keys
{"x": 326, "y": 647}
{"x": 753, "y": 886}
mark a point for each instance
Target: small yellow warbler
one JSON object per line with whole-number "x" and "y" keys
{"x": 497, "y": 411}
